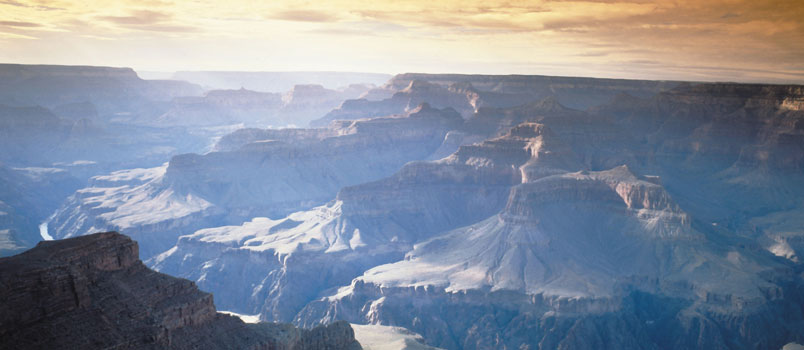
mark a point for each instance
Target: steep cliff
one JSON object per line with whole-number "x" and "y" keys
{"x": 94, "y": 292}
{"x": 729, "y": 153}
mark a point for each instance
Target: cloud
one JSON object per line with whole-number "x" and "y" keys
{"x": 593, "y": 54}
{"x": 644, "y": 62}
{"x": 304, "y": 16}
{"x": 137, "y": 18}
{"x": 6, "y": 35}
{"x": 360, "y": 29}
{"x": 147, "y": 20}
{"x": 759, "y": 37}
{"x": 19, "y": 24}
{"x": 167, "y": 28}
{"x": 37, "y": 6}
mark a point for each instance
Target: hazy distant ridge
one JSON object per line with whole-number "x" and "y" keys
{"x": 278, "y": 81}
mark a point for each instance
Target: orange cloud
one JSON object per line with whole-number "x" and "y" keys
{"x": 684, "y": 39}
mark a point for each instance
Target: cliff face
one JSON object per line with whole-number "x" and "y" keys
{"x": 19, "y": 71}
{"x": 468, "y": 93}
{"x": 575, "y": 92}
{"x": 94, "y": 292}
{"x": 359, "y": 151}
{"x": 112, "y": 90}
{"x": 252, "y": 108}
{"x": 268, "y": 177}
{"x": 575, "y": 261}
{"x": 739, "y": 146}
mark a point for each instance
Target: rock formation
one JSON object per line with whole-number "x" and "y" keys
{"x": 198, "y": 191}
{"x": 367, "y": 224}
{"x": 579, "y": 260}
{"x": 468, "y": 93}
{"x": 496, "y": 212}
{"x": 94, "y": 292}
{"x": 111, "y": 90}
{"x": 297, "y": 107}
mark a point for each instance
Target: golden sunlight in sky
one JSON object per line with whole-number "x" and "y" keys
{"x": 684, "y": 39}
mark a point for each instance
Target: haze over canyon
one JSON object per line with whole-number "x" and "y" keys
{"x": 412, "y": 211}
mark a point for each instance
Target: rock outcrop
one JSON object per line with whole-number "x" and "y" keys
{"x": 469, "y": 93}
{"x": 728, "y": 153}
{"x": 94, "y": 292}
{"x": 267, "y": 177}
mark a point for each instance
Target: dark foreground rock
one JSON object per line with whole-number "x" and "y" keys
{"x": 93, "y": 292}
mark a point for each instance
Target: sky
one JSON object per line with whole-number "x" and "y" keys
{"x": 701, "y": 40}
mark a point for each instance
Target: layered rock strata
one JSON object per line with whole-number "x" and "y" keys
{"x": 93, "y": 292}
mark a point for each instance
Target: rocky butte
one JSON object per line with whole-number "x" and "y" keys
{"x": 93, "y": 292}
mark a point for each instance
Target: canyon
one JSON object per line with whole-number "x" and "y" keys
{"x": 474, "y": 211}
